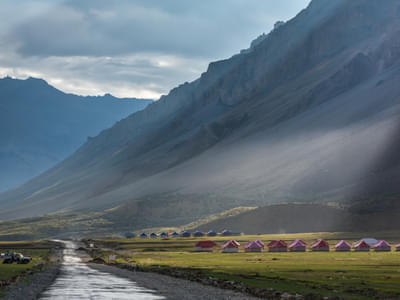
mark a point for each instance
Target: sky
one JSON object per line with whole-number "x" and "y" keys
{"x": 129, "y": 48}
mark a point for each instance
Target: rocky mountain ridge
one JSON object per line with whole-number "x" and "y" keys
{"x": 42, "y": 125}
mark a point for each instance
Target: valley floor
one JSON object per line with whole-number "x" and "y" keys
{"x": 348, "y": 275}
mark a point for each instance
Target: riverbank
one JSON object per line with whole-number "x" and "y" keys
{"x": 172, "y": 287}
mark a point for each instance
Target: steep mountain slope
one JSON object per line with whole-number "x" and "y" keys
{"x": 310, "y": 114}
{"x": 41, "y": 125}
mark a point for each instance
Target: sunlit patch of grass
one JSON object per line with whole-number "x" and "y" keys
{"x": 351, "y": 275}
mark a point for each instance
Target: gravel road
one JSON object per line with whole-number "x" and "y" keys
{"x": 173, "y": 288}
{"x": 33, "y": 286}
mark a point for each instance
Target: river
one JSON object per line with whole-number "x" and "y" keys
{"x": 79, "y": 281}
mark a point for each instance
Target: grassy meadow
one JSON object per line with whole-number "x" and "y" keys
{"x": 348, "y": 274}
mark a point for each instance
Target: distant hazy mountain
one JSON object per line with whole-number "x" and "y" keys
{"x": 40, "y": 125}
{"x": 311, "y": 114}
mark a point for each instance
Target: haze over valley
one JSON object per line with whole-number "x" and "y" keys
{"x": 42, "y": 125}
{"x": 298, "y": 117}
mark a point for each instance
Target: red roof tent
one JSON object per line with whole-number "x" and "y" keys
{"x": 205, "y": 244}
{"x": 342, "y": 246}
{"x": 230, "y": 244}
{"x": 253, "y": 246}
{"x": 361, "y": 246}
{"x": 320, "y": 245}
{"x": 230, "y": 247}
{"x": 277, "y": 246}
{"x": 382, "y": 246}
{"x": 297, "y": 246}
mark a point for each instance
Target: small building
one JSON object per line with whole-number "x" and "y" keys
{"x": 277, "y": 246}
{"x": 153, "y": 235}
{"x": 230, "y": 247}
{"x": 342, "y": 246}
{"x": 226, "y": 232}
{"x": 320, "y": 245}
{"x": 361, "y": 246}
{"x": 297, "y": 246}
{"x": 185, "y": 234}
{"x": 204, "y": 246}
{"x": 397, "y": 247}
{"x": 198, "y": 234}
{"x": 174, "y": 234}
{"x": 382, "y": 246}
{"x": 211, "y": 233}
{"x": 163, "y": 235}
{"x": 143, "y": 235}
{"x": 253, "y": 246}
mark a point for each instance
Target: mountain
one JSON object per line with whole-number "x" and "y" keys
{"x": 310, "y": 114}
{"x": 40, "y": 125}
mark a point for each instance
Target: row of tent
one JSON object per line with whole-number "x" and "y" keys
{"x": 211, "y": 233}
{"x": 296, "y": 246}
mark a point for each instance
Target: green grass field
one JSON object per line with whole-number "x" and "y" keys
{"x": 350, "y": 275}
{"x": 38, "y": 251}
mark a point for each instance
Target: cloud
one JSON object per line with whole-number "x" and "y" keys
{"x": 129, "y": 47}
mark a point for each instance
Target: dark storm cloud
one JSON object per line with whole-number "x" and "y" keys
{"x": 149, "y": 37}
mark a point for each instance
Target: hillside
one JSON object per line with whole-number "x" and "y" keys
{"x": 298, "y": 218}
{"x": 310, "y": 114}
{"x": 42, "y": 125}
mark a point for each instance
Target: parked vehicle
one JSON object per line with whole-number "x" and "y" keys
{"x": 11, "y": 257}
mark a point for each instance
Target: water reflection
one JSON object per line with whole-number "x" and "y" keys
{"x": 78, "y": 281}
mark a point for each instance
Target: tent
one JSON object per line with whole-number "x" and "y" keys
{"x": 204, "y": 246}
{"x": 397, "y": 247}
{"x": 253, "y": 246}
{"x": 382, "y": 246}
{"x": 361, "y": 246}
{"x": 185, "y": 234}
{"x": 174, "y": 234}
{"x": 163, "y": 234}
{"x": 128, "y": 235}
{"x": 230, "y": 247}
{"x": 211, "y": 233}
{"x": 277, "y": 246}
{"x": 198, "y": 234}
{"x": 153, "y": 235}
{"x": 342, "y": 246}
{"x": 320, "y": 245}
{"x": 226, "y": 232}
{"x": 297, "y": 246}
{"x": 143, "y": 235}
